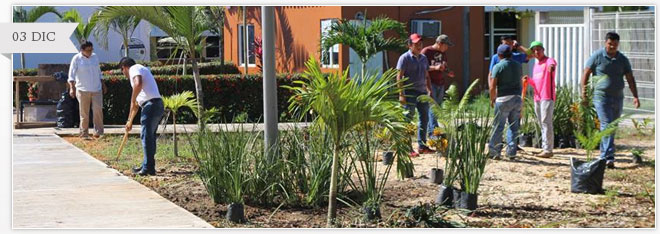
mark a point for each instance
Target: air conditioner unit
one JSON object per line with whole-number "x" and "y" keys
{"x": 426, "y": 28}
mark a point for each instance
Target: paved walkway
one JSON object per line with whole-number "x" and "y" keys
{"x": 56, "y": 185}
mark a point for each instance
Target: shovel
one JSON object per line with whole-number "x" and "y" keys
{"x": 524, "y": 92}
{"x": 123, "y": 141}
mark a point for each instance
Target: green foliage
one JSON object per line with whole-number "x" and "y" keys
{"x": 366, "y": 38}
{"x": 637, "y": 152}
{"x": 468, "y": 129}
{"x": 183, "y": 99}
{"x": 428, "y": 216}
{"x": 231, "y": 95}
{"x": 342, "y": 105}
{"x": 185, "y": 24}
{"x": 211, "y": 68}
{"x": 624, "y": 8}
{"x": 23, "y": 16}
{"x": 642, "y": 125}
{"x": 529, "y": 121}
{"x": 223, "y": 159}
{"x": 84, "y": 28}
{"x": 124, "y": 25}
{"x": 590, "y": 141}
{"x": 561, "y": 118}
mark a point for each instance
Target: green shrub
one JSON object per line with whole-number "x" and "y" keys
{"x": 26, "y": 72}
{"x": 231, "y": 95}
{"x": 213, "y": 68}
{"x": 115, "y": 65}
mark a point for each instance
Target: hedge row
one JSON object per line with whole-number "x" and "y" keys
{"x": 204, "y": 69}
{"x": 115, "y": 65}
{"x": 232, "y": 95}
{"x": 26, "y": 72}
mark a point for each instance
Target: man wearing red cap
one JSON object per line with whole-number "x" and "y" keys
{"x": 415, "y": 66}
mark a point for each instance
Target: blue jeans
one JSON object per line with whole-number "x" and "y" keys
{"x": 508, "y": 111}
{"x": 152, "y": 112}
{"x": 608, "y": 110}
{"x": 423, "y": 108}
{"x": 437, "y": 93}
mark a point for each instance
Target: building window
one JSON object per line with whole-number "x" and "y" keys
{"x": 329, "y": 57}
{"x": 241, "y": 45}
{"x": 426, "y": 28}
{"x": 166, "y": 48}
{"x": 212, "y": 47}
{"x": 498, "y": 24}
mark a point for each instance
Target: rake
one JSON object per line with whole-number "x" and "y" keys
{"x": 123, "y": 141}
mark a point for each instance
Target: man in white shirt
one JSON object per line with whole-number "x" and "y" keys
{"x": 145, "y": 95}
{"x": 85, "y": 84}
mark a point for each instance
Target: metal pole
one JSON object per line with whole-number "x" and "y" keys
{"x": 269, "y": 82}
{"x": 466, "y": 47}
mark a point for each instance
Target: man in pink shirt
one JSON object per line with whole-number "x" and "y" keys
{"x": 543, "y": 83}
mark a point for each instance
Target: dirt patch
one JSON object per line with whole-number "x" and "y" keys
{"x": 531, "y": 192}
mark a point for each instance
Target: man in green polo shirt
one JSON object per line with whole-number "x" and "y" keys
{"x": 505, "y": 86}
{"x": 608, "y": 93}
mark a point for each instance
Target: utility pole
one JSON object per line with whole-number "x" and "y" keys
{"x": 269, "y": 82}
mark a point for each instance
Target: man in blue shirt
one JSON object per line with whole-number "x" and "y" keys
{"x": 519, "y": 52}
{"x": 414, "y": 65}
{"x": 608, "y": 92}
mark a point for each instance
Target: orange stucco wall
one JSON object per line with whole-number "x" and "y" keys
{"x": 298, "y": 32}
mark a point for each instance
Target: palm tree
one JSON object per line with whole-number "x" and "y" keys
{"x": 174, "y": 103}
{"x": 124, "y": 25}
{"x": 184, "y": 24}
{"x": 84, "y": 29}
{"x": 343, "y": 105}
{"x": 23, "y": 16}
{"x": 366, "y": 39}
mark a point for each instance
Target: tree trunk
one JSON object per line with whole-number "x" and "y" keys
{"x": 332, "y": 200}
{"x": 198, "y": 90}
{"x": 176, "y": 145}
{"x": 126, "y": 46}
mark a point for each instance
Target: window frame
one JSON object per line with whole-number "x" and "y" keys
{"x": 334, "y": 49}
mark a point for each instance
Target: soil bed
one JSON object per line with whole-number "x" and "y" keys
{"x": 531, "y": 192}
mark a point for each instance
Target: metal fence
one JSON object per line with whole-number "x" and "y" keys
{"x": 637, "y": 31}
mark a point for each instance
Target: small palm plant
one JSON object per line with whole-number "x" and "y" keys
{"x": 591, "y": 139}
{"x": 342, "y": 105}
{"x": 366, "y": 38}
{"x": 176, "y": 102}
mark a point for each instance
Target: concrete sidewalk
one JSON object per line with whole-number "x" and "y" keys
{"x": 56, "y": 185}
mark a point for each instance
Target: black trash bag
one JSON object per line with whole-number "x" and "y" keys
{"x": 67, "y": 112}
{"x": 587, "y": 177}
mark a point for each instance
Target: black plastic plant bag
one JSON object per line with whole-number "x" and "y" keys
{"x": 587, "y": 177}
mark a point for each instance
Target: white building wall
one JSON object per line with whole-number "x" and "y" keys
{"x": 112, "y": 54}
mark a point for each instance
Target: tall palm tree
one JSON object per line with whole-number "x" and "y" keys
{"x": 23, "y": 16}
{"x": 343, "y": 105}
{"x": 366, "y": 38}
{"x": 124, "y": 25}
{"x": 174, "y": 103}
{"x": 84, "y": 29}
{"x": 184, "y": 24}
